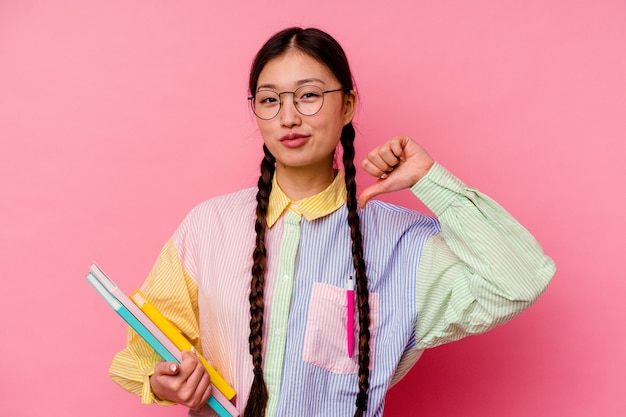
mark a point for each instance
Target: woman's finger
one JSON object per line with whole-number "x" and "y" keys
{"x": 389, "y": 157}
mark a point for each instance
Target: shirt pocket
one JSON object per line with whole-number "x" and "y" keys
{"x": 325, "y": 340}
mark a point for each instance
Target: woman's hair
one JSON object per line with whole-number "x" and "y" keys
{"x": 326, "y": 50}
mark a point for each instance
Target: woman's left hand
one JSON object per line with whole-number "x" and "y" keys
{"x": 398, "y": 164}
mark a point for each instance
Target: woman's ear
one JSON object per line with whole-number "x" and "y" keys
{"x": 349, "y": 106}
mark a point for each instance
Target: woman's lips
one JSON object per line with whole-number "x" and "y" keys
{"x": 293, "y": 140}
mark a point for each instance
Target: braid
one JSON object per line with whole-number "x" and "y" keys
{"x": 258, "y": 392}
{"x": 347, "y": 142}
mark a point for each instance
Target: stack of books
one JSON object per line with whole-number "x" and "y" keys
{"x": 160, "y": 334}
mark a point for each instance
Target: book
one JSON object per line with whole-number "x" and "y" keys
{"x": 145, "y": 328}
{"x": 130, "y": 319}
{"x": 134, "y": 310}
{"x": 179, "y": 340}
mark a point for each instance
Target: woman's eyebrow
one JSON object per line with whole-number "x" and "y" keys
{"x": 298, "y": 83}
{"x": 310, "y": 80}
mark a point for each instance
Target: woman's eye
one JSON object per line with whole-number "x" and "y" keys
{"x": 309, "y": 95}
{"x": 268, "y": 100}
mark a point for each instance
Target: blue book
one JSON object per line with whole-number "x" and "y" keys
{"x": 146, "y": 335}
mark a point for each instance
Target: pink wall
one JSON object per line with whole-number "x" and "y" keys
{"x": 117, "y": 116}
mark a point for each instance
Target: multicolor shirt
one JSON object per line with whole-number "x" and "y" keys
{"x": 431, "y": 281}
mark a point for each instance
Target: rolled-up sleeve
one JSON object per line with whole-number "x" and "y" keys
{"x": 480, "y": 271}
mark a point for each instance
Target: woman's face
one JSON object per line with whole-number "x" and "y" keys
{"x": 295, "y": 140}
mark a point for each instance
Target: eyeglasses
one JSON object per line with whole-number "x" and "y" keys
{"x": 307, "y": 99}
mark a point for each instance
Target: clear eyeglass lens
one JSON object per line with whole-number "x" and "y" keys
{"x": 266, "y": 104}
{"x": 307, "y": 99}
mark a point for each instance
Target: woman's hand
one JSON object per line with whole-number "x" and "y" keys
{"x": 187, "y": 383}
{"x": 398, "y": 164}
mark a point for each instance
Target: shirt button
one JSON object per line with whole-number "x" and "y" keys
{"x": 277, "y": 332}
{"x": 285, "y": 277}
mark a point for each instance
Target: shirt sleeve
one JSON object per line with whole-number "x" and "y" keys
{"x": 480, "y": 271}
{"x": 175, "y": 294}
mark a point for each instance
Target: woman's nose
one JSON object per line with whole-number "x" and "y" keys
{"x": 289, "y": 115}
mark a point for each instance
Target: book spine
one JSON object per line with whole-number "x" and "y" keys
{"x": 131, "y": 320}
{"x": 116, "y": 292}
{"x": 180, "y": 341}
{"x": 219, "y": 408}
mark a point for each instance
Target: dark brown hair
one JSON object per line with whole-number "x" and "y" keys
{"x": 326, "y": 50}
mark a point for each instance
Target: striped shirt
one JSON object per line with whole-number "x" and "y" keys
{"x": 431, "y": 281}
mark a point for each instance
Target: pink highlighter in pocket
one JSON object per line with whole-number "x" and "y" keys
{"x": 350, "y": 315}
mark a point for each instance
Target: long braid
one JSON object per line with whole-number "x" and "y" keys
{"x": 324, "y": 49}
{"x": 258, "y": 391}
{"x": 347, "y": 142}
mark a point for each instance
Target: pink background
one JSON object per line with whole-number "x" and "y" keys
{"x": 117, "y": 116}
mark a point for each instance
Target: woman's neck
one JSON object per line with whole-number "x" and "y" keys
{"x": 301, "y": 182}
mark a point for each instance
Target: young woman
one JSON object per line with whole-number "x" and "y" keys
{"x": 257, "y": 279}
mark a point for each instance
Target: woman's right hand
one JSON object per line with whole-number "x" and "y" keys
{"x": 187, "y": 383}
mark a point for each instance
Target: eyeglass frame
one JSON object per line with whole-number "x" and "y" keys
{"x": 295, "y": 103}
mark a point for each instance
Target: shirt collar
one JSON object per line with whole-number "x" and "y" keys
{"x": 313, "y": 207}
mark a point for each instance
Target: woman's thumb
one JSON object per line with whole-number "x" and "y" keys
{"x": 167, "y": 368}
{"x": 371, "y": 191}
